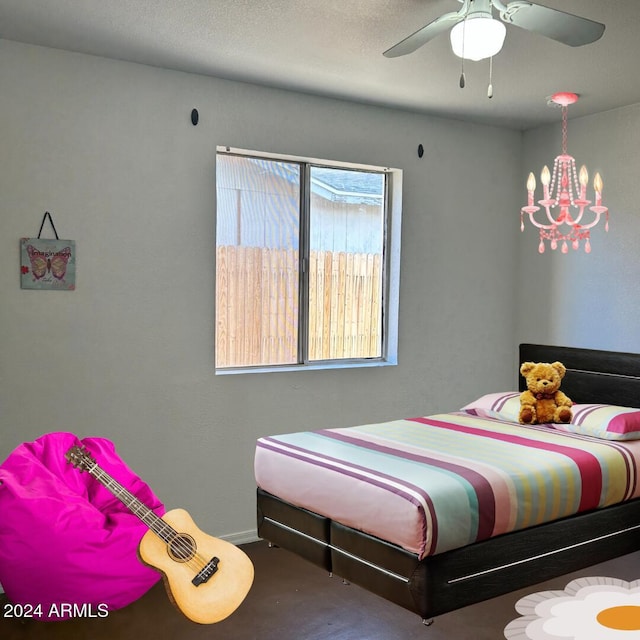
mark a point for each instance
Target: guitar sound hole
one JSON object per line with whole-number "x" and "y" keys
{"x": 182, "y": 548}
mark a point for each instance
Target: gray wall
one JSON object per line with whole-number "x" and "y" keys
{"x": 109, "y": 149}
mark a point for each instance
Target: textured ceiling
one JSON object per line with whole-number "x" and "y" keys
{"x": 334, "y": 48}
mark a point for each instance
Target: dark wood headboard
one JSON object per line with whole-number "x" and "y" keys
{"x": 605, "y": 377}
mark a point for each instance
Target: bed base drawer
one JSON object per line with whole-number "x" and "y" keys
{"x": 303, "y": 532}
{"x": 379, "y": 567}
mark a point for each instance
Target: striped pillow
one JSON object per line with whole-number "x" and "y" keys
{"x": 605, "y": 421}
{"x": 503, "y": 406}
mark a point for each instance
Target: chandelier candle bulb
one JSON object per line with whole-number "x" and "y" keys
{"x": 597, "y": 186}
{"x": 531, "y": 187}
{"x": 584, "y": 181}
{"x": 584, "y": 176}
{"x": 545, "y": 178}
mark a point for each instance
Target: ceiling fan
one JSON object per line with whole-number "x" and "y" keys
{"x": 477, "y": 16}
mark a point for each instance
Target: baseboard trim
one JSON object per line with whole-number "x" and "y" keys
{"x": 242, "y": 537}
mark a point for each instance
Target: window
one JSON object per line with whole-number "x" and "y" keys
{"x": 303, "y": 269}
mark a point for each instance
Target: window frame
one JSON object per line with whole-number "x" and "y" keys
{"x": 390, "y": 270}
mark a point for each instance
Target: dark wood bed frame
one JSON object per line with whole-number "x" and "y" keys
{"x": 448, "y": 581}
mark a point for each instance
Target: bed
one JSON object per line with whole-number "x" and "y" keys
{"x": 432, "y": 565}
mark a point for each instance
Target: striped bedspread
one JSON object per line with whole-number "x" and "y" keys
{"x": 440, "y": 482}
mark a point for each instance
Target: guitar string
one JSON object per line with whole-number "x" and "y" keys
{"x": 169, "y": 535}
{"x": 174, "y": 540}
{"x": 194, "y": 560}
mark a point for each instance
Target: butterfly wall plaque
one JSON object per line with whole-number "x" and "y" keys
{"x": 47, "y": 264}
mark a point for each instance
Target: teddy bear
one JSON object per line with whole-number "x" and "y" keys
{"x": 543, "y": 401}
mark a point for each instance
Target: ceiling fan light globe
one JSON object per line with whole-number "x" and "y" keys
{"x": 478, "y": 37}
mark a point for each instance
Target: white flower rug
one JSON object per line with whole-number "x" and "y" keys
{"x": 588, "y": 609}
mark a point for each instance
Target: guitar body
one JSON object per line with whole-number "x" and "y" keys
{"x": 223, "y": 591}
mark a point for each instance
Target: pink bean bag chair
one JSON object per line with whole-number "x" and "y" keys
{"x": 64, "y": 538}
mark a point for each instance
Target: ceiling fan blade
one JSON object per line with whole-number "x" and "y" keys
{"x": 552, "y": 23}
{"x": 422, "y": 36}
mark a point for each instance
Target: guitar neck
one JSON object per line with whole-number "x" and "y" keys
{"x": 153, "y": 521}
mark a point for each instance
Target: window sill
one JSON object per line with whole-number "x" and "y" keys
{"x": 317, "y": 366}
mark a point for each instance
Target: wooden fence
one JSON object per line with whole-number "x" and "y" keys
{"x": 257, "y": 306}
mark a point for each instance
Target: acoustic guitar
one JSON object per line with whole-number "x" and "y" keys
{"x": 205, "y": 577}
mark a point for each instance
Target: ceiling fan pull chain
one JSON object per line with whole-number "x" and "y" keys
{"x": 462, "y": 78}
{"x": 490, "y": 87}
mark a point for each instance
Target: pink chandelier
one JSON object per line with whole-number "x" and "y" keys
{"x": 565, "y": 196}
